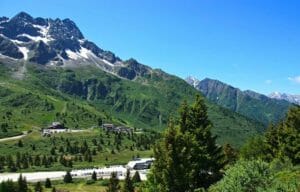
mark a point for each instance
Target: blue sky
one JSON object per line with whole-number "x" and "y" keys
{"x": 250, "y": 44}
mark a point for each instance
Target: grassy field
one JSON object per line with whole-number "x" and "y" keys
{"x": 80, "y": 185}
{"x": 76, "y": 186}
{"x": 104, "y": 149}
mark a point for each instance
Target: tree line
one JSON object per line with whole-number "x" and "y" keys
{"x": 187, "y": 158}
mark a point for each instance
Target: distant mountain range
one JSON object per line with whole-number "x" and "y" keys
{"x": 50, "y": 72}
{"x": 287, "y": 97}
{"x": 251, "y": 104}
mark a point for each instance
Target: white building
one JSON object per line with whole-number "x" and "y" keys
{"x": 56, "y": 127}
{"x": 140, "y": 164}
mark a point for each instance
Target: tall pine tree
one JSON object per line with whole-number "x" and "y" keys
{"x": 68, "y": 177}
{"x": 48, "y": 183}
{"x": 283, "y": 140}
{"x": 22, "y": 184}
{"x": 94, "y": 176}
{"x": 38, "y": 187}
{"x": 128, "y": 185}
{"x": 113, "y": 185}
{"x": 136, "y": 178}
{"x": 188, "y": 157}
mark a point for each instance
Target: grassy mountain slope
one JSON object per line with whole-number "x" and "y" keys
{"x": 86, "y": 96}
{"x": 248, "y": 103}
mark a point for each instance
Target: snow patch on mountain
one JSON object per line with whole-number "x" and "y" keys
{"x": 284, "y": 96}
{"x": 72, "y": 55}
{"x": 17, "y": 42}
{"x": 37, "y": 38}
{"x": 44, "y": 31}
{"x": 25, "y": 52}
{"x": 85, "y": 53}
{"x": 82, "y": 54}
{"x": 108, "y": 63}
{"x": 192, "y": 81}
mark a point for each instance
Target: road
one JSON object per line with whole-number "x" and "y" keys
{"x": 103, "y": 172}
{"x": 25, "y": 133}
{"x": 14, "y": 138}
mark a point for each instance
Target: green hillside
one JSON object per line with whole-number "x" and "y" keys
{"x": 248, "y": 103}
{"x": 87, "y": 96}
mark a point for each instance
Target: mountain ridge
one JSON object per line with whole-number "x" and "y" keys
{"x": 56, "y": 42}
{"x": 249, "y": 103}
{"x": 285, "y": 96}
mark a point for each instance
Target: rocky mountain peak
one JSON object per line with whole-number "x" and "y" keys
{"x": 3, "y": 19}
{"x": 192, "y": 81}
{"x": 287, "y": 97}
{"x": 59, "y": 42}
{"x": 64, "y": 29}
{"x": 22, "y": 17}
{"x": 49, "y": 41}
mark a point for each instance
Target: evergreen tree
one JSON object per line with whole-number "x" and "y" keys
{"x": 289, "y": 136}
{"x": 20, "y": 143}
{"x": 94, "y": 176}
{"x": 128, "y": 184}
{"x": 113, "y": 185}
{"x": 3, "y": 186}
{"x": 1, "y": 166}
{"x": 11, "y": 164}
{"x": 37, "y": 161}
{"x": 8, "y": 186}
{"x": 283, "y": 140}
{"x": 52, "y": 151}
{"x": 44, "y": 161}
{"x": 22, "y": 184}
{"x": 38, "y": 187}
{"x": 136, "y": 178}
{"x": 254, "y": 148}
{"x": 272, "y": 142}
{"x": 169, "y": 170}
{"x": 207, "y": 158}
{"x": 18, "y": 163}
{"x": 25, "y": 163}
{"x": 230, "y": 154}
{"x": 187, "y": 158}
{"x": 68, "y": 177}
{"x": 48, "y": 183}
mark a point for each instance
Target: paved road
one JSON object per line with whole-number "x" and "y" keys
{"x": 32, "y": 177}
{"x": 25, "y": 133}
{"x": 104, "y": 172}
{"x": 14, "y": 138}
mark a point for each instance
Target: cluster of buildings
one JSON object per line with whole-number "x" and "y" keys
{"x": 116, "y": 129}
{"x": 55, "y": 127}
{"x": 142, "y": 165}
